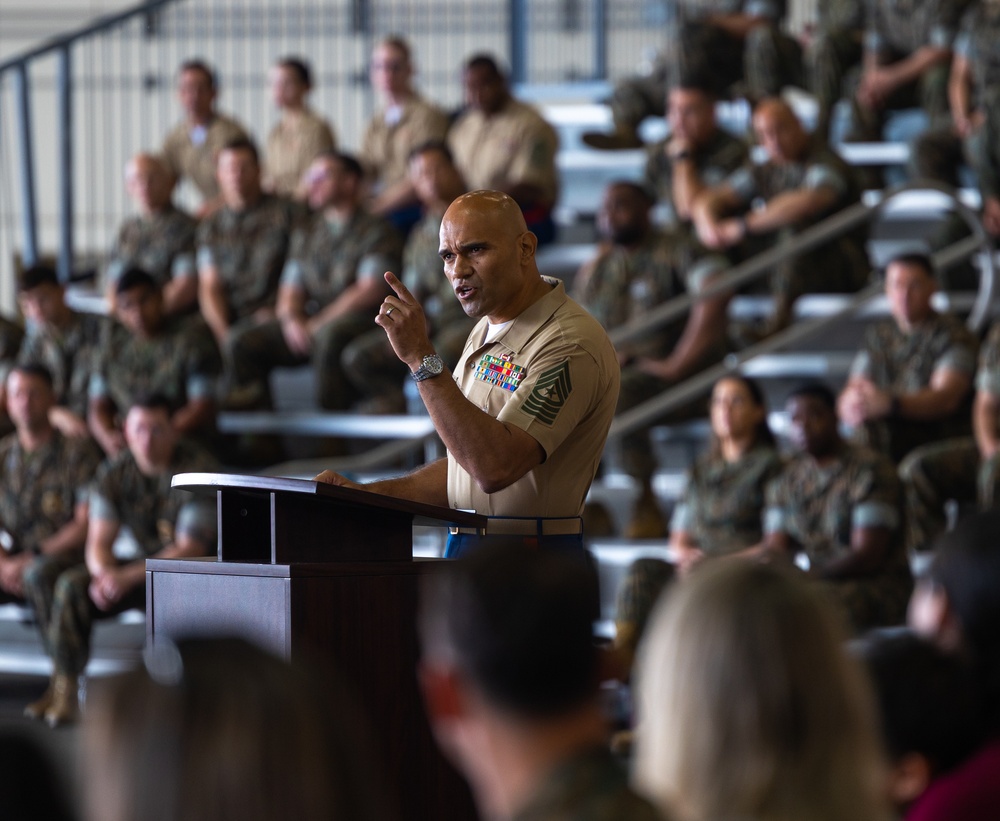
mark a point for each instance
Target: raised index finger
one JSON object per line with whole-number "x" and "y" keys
{"x": 401, "y": 290}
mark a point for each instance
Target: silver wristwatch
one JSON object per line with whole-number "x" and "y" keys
{"x": 433, "y": 365}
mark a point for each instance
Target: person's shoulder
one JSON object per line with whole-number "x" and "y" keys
{"x": 226, "y": 127}
{"x": 190, "y": 457}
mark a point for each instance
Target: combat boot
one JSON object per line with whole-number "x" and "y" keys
{"x": 36, "y": 709}
{"x": 65, "y": 708}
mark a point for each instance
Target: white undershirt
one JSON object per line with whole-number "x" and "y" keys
{"x": 493, "y": 331}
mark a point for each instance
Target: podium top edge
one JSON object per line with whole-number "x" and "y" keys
{"x": 322, "y": 490}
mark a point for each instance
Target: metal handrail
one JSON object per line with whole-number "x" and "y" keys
{"x": 101, "y": 24}
{"x": 754, "y": 268}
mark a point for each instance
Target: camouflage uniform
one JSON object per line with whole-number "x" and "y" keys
{"x": 717, "y": 159}
{"x": 11, "y": 335}
{"x": 901, "y": 363}
{"x": 39, "y": 491}
{"x": 70, "y": 355}
{"x": 193, "y": 153}
{"x": 938, "y": 153}
{"x": 161, "y": 244}
{"x": 248, "y": 249}
{"x": 834, "y": 50}
{"x": 291, "y": 150}
{"x": 820, "y": 506}
{"x": 952, "y": 469}
{"x": 767, "y": 59}
{"x": 619, "y": 286}
{"x": 323, "y": 261}
{"x": 723, "y": 501}
{"x": 369, "y": 361}
{"x": 153, "y": 512}
{"x": 840, "y": 265}
{"x": 640, "y": 590}
{"x": 590, "y": 785}
{"x": 895, "y": 29}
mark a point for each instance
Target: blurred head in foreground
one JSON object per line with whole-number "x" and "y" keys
{"x": 749, "y": 706}
{"x": 219, "y": 729}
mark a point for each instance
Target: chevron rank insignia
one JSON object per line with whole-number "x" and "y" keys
{"x": 549, "y": 394}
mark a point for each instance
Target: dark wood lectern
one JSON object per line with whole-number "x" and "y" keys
{"x": 304, "y": 568}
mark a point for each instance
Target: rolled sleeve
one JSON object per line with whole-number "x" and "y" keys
{"x": 205, "y": 257}
{"x": 824, "y": 176}
{"x": 875, "y": 514}
{"x": 372, "y": 266}
{"x": 775, "y": 520}
{"x": 292, "y": 275}
{"x": 742, "y": 183}
{"x": 941, "y": 36}
{"x": 957, "y": 358}
{"x": 183, "y": 266}
{"x": 682, "y": 518}
{"x": 762, "y": 8}
{"x": 862, "y": 364}
{"x": 102, "y": 508}
{"x": 97, "y": 387}
{"x": 202, "y": 386}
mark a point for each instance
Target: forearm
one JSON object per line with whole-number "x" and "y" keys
{"x": 101, "y": 421}
{"x": 197, "y": 414}
{"x": 180, "y": 294}
{"x": 985, "y": 414}
{"x": 465, "y": 429}
{"x": 787, "y": 209}
{"x": 214, "y": 309}
{"x": 361, "y": 296}
{"x": 736, "y": 25}
{"x": 909, "y": 69}
{"x": 100, "y": 538}
{"x": 71, "y": 536}
{"x": 427, "y": 484}
{"x": 687, "y": 187}
{"x": 866, "y": 556}
{"x": 959, "y": 83}
{"x": 931, "y": 403}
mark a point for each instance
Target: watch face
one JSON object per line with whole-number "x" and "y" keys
{"x": 434, "y": 363}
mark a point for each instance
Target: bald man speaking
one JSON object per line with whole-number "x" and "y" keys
{"x": 526, "y": 414}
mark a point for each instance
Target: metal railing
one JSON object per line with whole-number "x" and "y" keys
{"x": 698, "y": 385}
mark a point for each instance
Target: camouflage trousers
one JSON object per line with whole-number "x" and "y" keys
{"x": 929, "y": 92}
{"x": 829, "y": 60}
{"x": 639, "y": 592}
{"x": 939, "y": 153}
{"x": 377, "y": 375}
{"x": 875, "y": 602}
{"x": 257, "y": 350}
{"x": 57, "y": 588}
{"x": 935, "y": 474}
{"x": 765, "y": 62}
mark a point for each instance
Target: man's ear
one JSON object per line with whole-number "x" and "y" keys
{"x": 528, "y": 244}
{"x": 908, "y": 778}
{"x": 444, "y": 696}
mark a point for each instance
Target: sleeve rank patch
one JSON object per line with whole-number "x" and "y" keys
{"x": 500, "y": 371}
{"x": 550, "y": 394}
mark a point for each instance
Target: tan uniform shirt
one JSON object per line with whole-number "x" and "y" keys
{"x": 552, "y": 373}
{"x": 290, "y": 150}
{"x": 386, "y": 147}
{"x": 513, "y": 146}
{"x": 196, "y": 161}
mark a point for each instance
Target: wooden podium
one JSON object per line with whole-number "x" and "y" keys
{"x": 306, "y": 568}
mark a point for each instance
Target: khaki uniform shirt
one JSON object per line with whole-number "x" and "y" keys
{"x": 161, "y": 244}
{"x": 553, "y": 373}
{"x": 290, "y": 150}
{"x": 39, "y": 491}
{"x": 197, "y": 161}
{"x": 386, "y": 146}
{"x": 514, "y": 146}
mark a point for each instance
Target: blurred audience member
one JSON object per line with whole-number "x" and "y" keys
{"x": 329, "y": 291}
{"x": 403, "y": 122}
{"x": 963, "y": 470}
{"x": 148, "y": 352}
{"x": 159, "y": 240}
{"x": 801, "y": 183}
{"x": 369, "y": 361}
{"x": 44, "y": 481}
{"x": 749, "y": 706}
{"x": 131, "y": 490}
{"x": 502, "y": 144}
{"x": 637, "y": 268}
{"x": 192, "y": 147}
{"x": 299, "y": 137}
{"x": 931, "y": 714}
{"x": 11, "y": 337}
{"x": 698, "y": 153}
{"x": 836, "y": 508}
{"x": 907, "y": 54}
{"x": 833, "y": 52}
{"x": 215, "y": 728}
{"x": 65, "y": 341}
{"x": 510, "y": 675}
{"x": 911, "y": 382}
{"x": 241, "y": 248}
